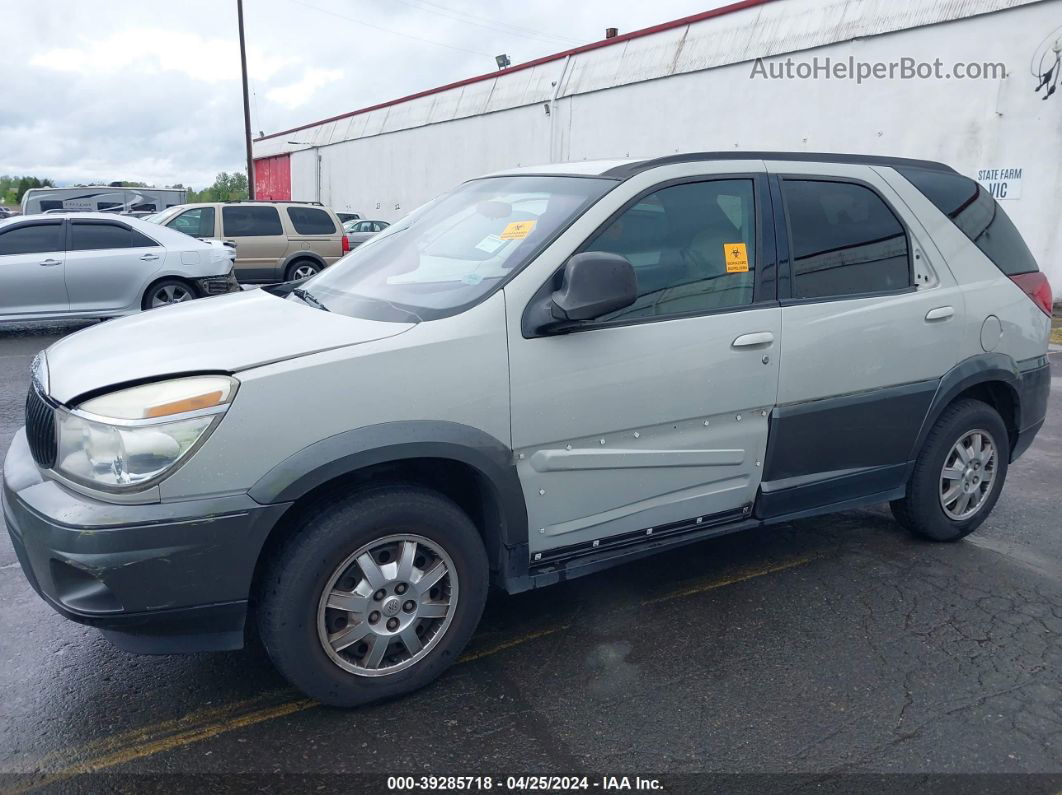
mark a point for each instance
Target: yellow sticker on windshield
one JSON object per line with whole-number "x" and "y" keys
{"x": 736, "y": 256}
{"x": 517, "y": 230}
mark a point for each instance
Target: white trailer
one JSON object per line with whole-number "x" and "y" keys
{"x": 101, "y": 198}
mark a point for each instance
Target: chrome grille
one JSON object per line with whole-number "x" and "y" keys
{"x": 40, "y": 429}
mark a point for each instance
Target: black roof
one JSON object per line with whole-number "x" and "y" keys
{"x": 630, "y": 169}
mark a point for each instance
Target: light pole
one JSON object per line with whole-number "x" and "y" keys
{"x": 246, "y": 104}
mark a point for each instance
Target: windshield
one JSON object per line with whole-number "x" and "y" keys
{"x": 454, "y": 250}
{"x": 163, "y": 215}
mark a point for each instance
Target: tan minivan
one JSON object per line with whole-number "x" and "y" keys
{"x": 275, "y": 241}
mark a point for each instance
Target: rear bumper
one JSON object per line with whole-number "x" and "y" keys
{"x": 1034, "y": 392}
{"x": 218, "y": 285}
{"x": 160, "y": 578}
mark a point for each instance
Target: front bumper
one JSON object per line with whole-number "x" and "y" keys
{"x": 157, "y": 579}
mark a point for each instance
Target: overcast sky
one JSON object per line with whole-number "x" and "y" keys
{"x": 150, "y": 91}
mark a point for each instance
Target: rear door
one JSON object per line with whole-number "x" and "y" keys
{"x": 654, "y": 418}
{"x": 261, "y": 243}
{"x": 108, "y": 265}
{"x": 314, "y": 230}
{"x": 32, "y": 260}
{"x": 872, "y": 319}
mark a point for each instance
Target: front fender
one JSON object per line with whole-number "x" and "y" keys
{"x": 390, "y": 442}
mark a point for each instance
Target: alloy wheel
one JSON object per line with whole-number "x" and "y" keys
{"x": 303, "y": 272}
{"x": 968, "y": 474}
{"x": 387, "y": 605}
{"x": 170, "y": 294}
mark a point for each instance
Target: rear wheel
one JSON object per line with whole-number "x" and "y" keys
{"x": 167, "y": 292}
{"x": 376, "y": 596}
{"x": 958, "y": 475}
{"x": 301, "y": 269}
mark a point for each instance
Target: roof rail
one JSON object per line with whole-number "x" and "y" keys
{"x": 629, "y": 169}
{"x": 269, "y": 201}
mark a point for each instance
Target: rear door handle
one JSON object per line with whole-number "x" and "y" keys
{"x": 940, "y": 313}
{"x": 149, "y": 257}
{"x": 756, "y": 338}
{"x": 48, "y": 263}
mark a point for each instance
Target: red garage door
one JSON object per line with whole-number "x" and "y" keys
{"x": 272, "y": 178}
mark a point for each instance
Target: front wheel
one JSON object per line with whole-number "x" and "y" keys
{"x": 958, "y": 475}
{"x": 375, "y": 597}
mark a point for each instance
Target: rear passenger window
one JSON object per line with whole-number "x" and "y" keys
{"x": 845, "y": 239}
{"x": 693, "y": 248}
{"x": 88, "y": 236}
{"x": 251, "y": 221}
{"x": 32, "y": 239}
{"x": 978, "y": 216}
{"x": 311, "y": 221}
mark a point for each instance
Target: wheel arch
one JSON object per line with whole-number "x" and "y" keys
{"x": 302, "y": 254}
{"x": 993, "y": 378}
{"x": 467, "y": 465}
{"x": 166, "y": 277}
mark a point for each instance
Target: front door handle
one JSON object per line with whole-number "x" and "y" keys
{"x": 750, "y": 340}
{"x": 149, "y": 257}
{"x": 48, "y": 263}
{"x": 940, "y": 313}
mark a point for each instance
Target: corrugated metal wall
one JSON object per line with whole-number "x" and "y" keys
{"x": 272, "y": 177}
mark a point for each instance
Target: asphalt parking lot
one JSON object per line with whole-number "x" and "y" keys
{"x": 831, "y": 647}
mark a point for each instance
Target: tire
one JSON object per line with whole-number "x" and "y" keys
{"x": 177, "y": 290}
{"x": 296, "y": 621}
{"x": 931, "y": 508}
{"x": 301, "y": 269}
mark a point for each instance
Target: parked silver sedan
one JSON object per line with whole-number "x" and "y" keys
{"x": 95, "y": 265}
{"x": 358, "y": 231}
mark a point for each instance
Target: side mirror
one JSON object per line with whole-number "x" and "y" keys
{"x": 594, "y": 284}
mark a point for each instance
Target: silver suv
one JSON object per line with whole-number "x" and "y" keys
{"x": 541, "y": 374}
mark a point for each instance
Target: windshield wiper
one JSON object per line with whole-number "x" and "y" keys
{"x": 309, "y": 298}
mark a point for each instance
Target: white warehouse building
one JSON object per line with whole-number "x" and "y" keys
{"x": 755, "y": 75}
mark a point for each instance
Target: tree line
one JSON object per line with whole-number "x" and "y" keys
{"x": 227, "y": 187}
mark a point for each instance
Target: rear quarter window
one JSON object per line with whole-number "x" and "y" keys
{"x": 977, "y": 215}
{"x": 311, "y": 221}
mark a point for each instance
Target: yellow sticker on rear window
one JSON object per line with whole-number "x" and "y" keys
{"x": 736, "y": 256}
{"x": 517, "y": 230}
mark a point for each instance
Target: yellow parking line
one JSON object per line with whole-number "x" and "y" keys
{"x": 477, "y": 655}
{"x": 204, "y": 724}
{"x": 746, "y": 574}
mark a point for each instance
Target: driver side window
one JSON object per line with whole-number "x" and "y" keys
{"x": 693, "y": 248}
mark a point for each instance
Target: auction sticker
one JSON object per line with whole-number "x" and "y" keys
{"x": 517, "y": 230}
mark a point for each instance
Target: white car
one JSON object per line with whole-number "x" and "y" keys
{"x": 95, "y": 265}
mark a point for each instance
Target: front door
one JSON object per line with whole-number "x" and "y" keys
{"x": 656, "y": 413}
{"x": 32, "y": 258}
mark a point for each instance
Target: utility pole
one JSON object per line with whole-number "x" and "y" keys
{"x": 246, "y": 104}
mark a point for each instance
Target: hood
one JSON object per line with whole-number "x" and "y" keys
{"x": 227, "y": 333}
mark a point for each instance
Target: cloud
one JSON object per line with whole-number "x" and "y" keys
{"x": 151, "y": 91}
{"x": 151, "y": 50}
{"x": 301, "y": 91}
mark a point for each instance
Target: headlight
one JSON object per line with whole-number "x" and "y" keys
{"x": 131, "y": 438}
